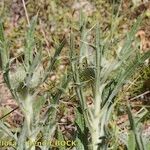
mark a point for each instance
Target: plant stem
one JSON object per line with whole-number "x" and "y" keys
{"x": 95, "y": 134}
{"x": 26, "y": 13}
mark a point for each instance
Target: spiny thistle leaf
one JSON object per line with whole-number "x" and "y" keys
{"x": 53, "y": 60}
{"x": 4, "y": 54}
{"x": 30, "y": 43}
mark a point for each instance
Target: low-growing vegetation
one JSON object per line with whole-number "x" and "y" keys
{"x": 80, "y": 82}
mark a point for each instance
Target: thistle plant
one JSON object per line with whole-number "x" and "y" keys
{"x": 24, "y": 83}
{"x": 109, "y": 74}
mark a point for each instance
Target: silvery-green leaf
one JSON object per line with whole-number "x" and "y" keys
{"x": 131, "y": 141}
{"x": 37, "y": 76}
{"x": 17, "y": 76}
